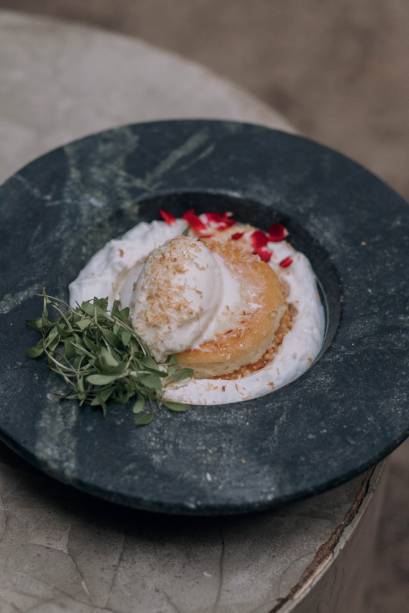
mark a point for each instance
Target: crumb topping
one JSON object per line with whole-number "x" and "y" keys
{"x": 164, "y": 290}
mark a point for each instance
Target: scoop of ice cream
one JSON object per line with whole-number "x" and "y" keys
{"x": 176, "y": 296}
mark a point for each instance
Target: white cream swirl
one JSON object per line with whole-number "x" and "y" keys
{"x": 176, "y": 296}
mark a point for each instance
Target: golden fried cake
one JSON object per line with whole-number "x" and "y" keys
{"x": 253, "y": 331}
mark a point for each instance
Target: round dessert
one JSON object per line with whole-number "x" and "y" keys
{"x": 238, "y": 306}
{"x": 250, "y": 326}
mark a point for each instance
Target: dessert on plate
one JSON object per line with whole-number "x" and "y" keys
{"x": 236, "y": 305}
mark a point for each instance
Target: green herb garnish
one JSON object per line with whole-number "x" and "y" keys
{"x": 101, "y": 358}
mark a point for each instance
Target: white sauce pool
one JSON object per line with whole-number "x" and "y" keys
{"x": 300, "y": 346}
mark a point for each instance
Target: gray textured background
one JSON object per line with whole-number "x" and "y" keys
{"x": 339, "y": 72}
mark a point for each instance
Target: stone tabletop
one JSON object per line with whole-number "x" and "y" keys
{"x": 61, "y": 550}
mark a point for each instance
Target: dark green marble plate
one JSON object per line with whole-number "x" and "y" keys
{"x": 344, "y": 414}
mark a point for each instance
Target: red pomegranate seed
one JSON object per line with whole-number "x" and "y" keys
{"x": 223, "y": 220}
{"x": 277, "y": 232}
{"x": 218, "y": 217}
{"x": 264, "y": 254}
{"x": 258, "y": 239}
{"x": 237, "y": 235}
{"x": 194, "y": 221}
{"x": 225, "y": 225}
{"x": 205, "y": 235}
{"x": 167, "y": 217}
{"x": 286, "y": 262}
{"x": 215, "y": 217}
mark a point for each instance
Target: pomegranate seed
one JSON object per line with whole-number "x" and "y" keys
{"x": 215, "y": 217}
{"x": 286, "y": 262}
{"x": 264, "y": 253}
{"x": 277, "y": 232}
{"x": 225, "y": 225}
{"x": 258, "y": 239}
{"x": 237, "y": 235}
{"x": 194, "y": 221}
{"x": 218, "y": 217}
{"x": 222, "y": 219}
{"x": 167, "y": 217}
